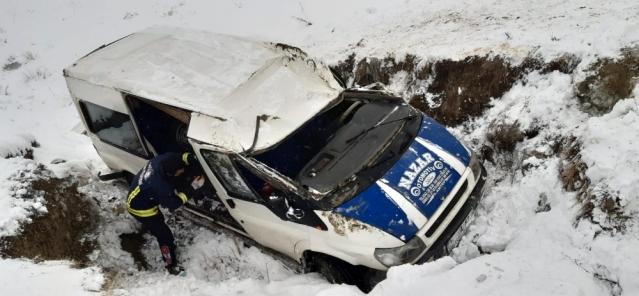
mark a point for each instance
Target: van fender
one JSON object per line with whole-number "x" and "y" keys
{"x": 355, "y": 245}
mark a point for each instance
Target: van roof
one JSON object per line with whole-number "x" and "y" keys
{"x": 226, "y": 81}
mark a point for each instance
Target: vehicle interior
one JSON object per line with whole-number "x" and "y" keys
{"x": 351, "y": 137}
{"x": 163, "y": 129}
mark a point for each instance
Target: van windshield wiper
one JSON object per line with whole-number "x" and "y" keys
{"x": 378, "y": 124}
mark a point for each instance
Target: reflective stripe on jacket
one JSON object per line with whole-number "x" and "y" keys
{"x": 152, "y": 188}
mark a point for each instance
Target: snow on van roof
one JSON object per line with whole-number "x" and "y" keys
{"x": 226, "y": 81}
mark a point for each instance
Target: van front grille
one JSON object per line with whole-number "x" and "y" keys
{"x": 447, "y": 210}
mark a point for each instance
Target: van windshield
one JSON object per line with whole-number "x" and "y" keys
{"x": 353, "y": 143}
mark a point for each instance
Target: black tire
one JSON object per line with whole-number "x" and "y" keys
{"x": 334, "y": 270}
{"x": 337, "y": 271}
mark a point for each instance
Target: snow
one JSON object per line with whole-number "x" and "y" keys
{"x": 21, "y": 277}
{"x": 513, "y": 246}
{"x": 506, "y": 273}
{"x": 17, "y": 204}
{"x": 610, "y": 150}
{"x": 301, "y": 285}
{"x": 14, "y": 144}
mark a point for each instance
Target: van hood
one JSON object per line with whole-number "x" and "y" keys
{"x": 409, "y": 194}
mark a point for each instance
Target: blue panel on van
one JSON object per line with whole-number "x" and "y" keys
{"x": 438, "y": 135}
{"x": 420, "y": 175}
{"x": 373, "y": 207}
{"x": 423, "y": 178}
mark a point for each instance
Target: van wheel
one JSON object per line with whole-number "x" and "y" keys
{"x": 337, "y": 271}
{"x": 334, "y": 270}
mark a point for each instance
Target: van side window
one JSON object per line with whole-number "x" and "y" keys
{"x": 112, "y": 127}
{"x": 225, "y": 171}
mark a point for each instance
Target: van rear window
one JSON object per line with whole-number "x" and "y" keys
{"x": 112, "y": 127}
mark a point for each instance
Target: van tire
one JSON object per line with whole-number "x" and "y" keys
{"x": 334, "y": 270}
{"x": 337, "y": 271}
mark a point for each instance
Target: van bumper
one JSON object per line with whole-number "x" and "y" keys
{"x": 441, "y": 247}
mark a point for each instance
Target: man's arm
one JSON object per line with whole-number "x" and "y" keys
{"x": 171, "y": 198}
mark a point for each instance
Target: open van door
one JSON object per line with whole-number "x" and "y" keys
{"x": 244, "y": 204}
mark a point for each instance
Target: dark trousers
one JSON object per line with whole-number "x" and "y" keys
{"x": 158, "y": 228}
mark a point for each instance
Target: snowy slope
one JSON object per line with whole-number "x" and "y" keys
{"x": 511, "y": 248}
{"x": 18, "y": 277}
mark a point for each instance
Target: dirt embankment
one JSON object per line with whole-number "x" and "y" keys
{"x": 610, "y": 80}
{"x": 573, "y": 177}
{"x": 61, "y": 233}
{"x": 453, "y": 92}
{"x": 447, "y": 90}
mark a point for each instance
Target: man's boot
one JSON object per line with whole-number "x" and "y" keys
{"x": 170, "y": 260}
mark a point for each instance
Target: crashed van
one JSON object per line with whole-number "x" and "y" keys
{"x": 333, "y": 178}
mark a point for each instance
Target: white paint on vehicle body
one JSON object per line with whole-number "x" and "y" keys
{"x": 414, "y": 215}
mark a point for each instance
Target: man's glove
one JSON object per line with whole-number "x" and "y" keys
{"x": 197, "y": 182}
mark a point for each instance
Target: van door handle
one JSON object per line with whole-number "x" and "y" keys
{"x": 231, "y": 203}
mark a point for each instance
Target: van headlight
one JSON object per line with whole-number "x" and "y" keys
{"x": 400, "y": 255}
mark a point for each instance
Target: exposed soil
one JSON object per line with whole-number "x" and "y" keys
{"x": 62, "y": 232}
{"x": 369, "y": 71}
{"x": 447, "y": 90}
{"x": 372, "y": 70}
{"x": 25, "y": 152}
{"x": 573, "y": 169}
{"x": 611, "y": 81}
{"x": 466, "y": 87}
{"x": 573, "y": 177}
{"x": 133, "y": 243}
{"x": 457, "y": 90}
{"x": 11, "y": 65}
{"x": 344, "y": 69}
{"x": 504, "y": 136}
{"x": 566, "y": 64}
{"x": 295, "y": 52}
{"x": 543, "y": 205}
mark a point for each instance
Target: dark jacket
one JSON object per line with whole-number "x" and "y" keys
{"x": 153, "y": 187}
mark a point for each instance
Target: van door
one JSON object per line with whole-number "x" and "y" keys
{"x": 109, "y": 125}
{"x": 114, "y": 136}
{"x": 246, "y": 206}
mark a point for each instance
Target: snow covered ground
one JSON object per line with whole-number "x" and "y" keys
{"x": 526, "y": 239}
{"x": 20, "y": 277}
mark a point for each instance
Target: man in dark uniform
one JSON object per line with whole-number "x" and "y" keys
{"x": 160, "y": 183}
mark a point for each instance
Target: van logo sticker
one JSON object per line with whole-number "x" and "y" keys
{"x": 415, "y": 191}
{"x": 414, "y": 169}
{"x": 429, "y": 179}
{"x": 425, "y": 177}
{"x": 436, "y": 184}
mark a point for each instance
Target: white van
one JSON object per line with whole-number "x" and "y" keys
{"x": 337, "y": 179}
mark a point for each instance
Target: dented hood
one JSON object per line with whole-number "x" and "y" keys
{"x": 409, "y": 194}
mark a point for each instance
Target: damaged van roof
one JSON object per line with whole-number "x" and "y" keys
{"x": 226, "y": 81}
